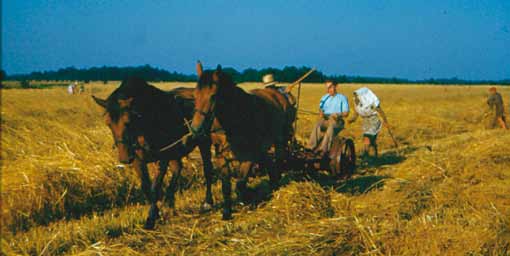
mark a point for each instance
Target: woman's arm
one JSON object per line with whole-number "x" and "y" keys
{"x": 354, "y": 116}
{"x": 382, "y": 114}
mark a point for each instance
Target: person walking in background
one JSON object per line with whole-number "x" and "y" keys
{"x": 71, "y": 88}
{"x": 496, "y": 109}
{"x": 333, "y": 108}
{"x": 367, "y": 105}
{"x": 81, "y": 89}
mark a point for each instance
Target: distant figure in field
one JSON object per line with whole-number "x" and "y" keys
{"x": 367, "y": 105}
{"x": 81, "y": 89}
{"x": 270, "y": 83}
{"x": 333, "y": 108}
{"x": 496, "y": 109}
{"x": 71, "y": 88}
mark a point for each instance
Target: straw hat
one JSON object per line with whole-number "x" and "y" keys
{"x": 268, "y": 80}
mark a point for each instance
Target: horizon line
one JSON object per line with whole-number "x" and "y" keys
{"x": 258, "y": 69}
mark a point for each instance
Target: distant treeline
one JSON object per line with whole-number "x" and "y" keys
{"x": 286, "y": 75}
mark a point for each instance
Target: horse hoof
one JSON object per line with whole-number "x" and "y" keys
{"x": 149, "y": 225}
{"x": 205, "y": 207}
{"x": 154, "y": 214}
{"x": 227, "y": 216}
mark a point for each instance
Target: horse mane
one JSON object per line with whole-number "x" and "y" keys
{"x": 207, "y": 79}
{"x": 147, "y": 96}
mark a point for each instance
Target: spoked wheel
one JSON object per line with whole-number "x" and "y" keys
{"x": 348, "y": 162}
{"x": 342, "y": 158}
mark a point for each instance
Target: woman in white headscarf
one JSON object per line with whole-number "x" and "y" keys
{"x": 367, "y": 105}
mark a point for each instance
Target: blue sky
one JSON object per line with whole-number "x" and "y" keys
{"x": 407, "y": 39}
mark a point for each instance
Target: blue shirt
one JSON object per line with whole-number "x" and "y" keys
{"x": 334, "y": 104}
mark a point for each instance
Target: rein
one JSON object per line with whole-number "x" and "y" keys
{"x": 187, "y": 123}
{"x": 136, "y": 145}
{"x": 171, "y": 145}
{"x": 192, "y": 131}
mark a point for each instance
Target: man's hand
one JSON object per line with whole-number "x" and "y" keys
{"x": 321, "y": 114}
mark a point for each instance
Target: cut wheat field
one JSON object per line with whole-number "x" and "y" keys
{"x": 446, "y": 193}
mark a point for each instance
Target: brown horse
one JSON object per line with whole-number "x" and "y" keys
{"x": 253, "y": 122}
{"x": 144, "y": 120}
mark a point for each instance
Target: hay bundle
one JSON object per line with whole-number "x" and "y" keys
{"x": 301, "y": 201}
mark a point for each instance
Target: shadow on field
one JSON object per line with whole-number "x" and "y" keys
{"x": 354, "y": 186}
{"x": 388, "y": 158}
{"x": 260, "y": 192}
{"x": 361, "y": 184}
{"x": 357, "y": 184}
{"x": 259, "y": 189}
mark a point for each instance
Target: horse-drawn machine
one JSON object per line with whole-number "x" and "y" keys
{"x": 140, "y": 128}
{"x": 340, "y": 161}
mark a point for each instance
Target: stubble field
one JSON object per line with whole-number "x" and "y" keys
{"x": 447, "y": 193}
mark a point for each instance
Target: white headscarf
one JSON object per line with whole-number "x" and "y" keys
{"x": 368, "y": 102}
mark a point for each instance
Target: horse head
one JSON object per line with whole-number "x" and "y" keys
{"x": 118, "y": 116}
{"x": 210, "y": 84}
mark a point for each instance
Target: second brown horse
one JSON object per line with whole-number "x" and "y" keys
{"x": 253, "y": 123}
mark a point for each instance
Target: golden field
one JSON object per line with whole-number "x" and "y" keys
{"x": 447, "y": 193}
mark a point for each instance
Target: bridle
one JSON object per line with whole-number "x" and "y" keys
{"x": 123, "y": 140}
{"x": 208, "y": 117}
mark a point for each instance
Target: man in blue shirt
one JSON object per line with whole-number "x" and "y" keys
{"x": 333, "y": 107}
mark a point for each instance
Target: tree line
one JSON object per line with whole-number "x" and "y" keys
{"x": 287, "y": 74}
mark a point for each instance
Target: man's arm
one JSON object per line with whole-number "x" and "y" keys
{"x": 491, "y": 100}
{"x": 343, "y": 111}
{"x": 345, "y": 108}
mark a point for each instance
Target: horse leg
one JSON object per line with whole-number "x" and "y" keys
{"x": 275, "y": 169}
{"x": 156, "y": 195}
{"x": 366, "y": 147}
{"x": 226, "y": 189}
{"x": 242, "y": 182}
{"x": 176, "y": 167}
{"x": 143, "y": 173}
{"x": 205, "y": 152}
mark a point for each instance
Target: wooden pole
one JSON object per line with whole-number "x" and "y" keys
{"x": 291, "y": 86}
{"x": 297, "y": 112}
{"x": 393, "y": 138}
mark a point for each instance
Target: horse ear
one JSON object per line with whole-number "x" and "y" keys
{"x": 100, "y": 102}
{"x": 200, "y": 69}
{"x": 216, "y": 76}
